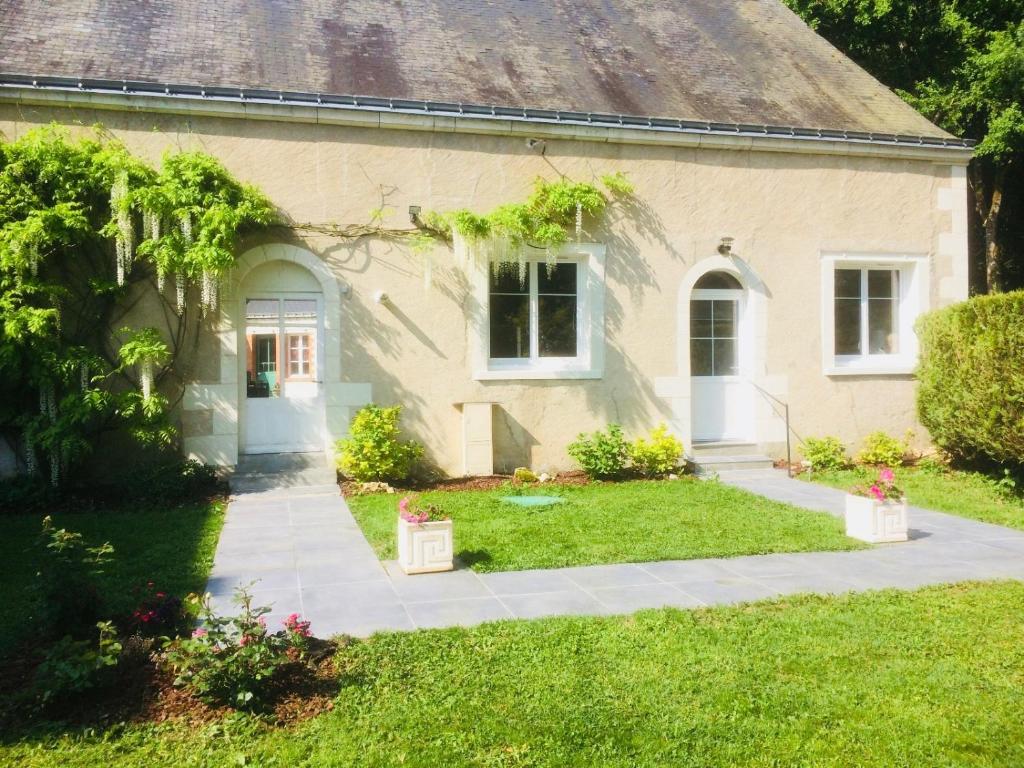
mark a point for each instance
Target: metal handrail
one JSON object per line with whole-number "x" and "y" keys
{"x": 785, "y": 407}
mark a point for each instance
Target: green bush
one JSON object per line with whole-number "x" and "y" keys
{"x": 372, "y": 450}
{"x": 657, "y": 456}
{"x": 882, "y": 449}
{"x": 72, "y": 666}
{"x": 232, "y": 659}
{"x": 970, "y": 392}
{"x": 825, "y": 453}
{"x": 601, "y": 454}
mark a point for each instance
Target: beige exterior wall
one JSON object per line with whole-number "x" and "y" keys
{"x": 783, "y": 209}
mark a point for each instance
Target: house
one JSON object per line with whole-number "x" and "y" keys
{"x": 791, "y": 216}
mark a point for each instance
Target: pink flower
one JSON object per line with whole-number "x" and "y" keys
{"x": 199, "y": 632}
{"x": 887, "y": 476}
{"x": 403, "y": 505}
{"x": 875, "y": 491}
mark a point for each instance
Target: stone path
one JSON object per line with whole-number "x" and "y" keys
{"x": 306, "y": 554}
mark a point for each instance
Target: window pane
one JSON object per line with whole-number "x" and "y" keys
{"x": 261, "y": 365}
{"x": 718, "y": 280}
{"x": 847, "y": 328}
{"x": 557, "y": 319}
{"x": 882, "y": 335}
{"x": 510, "y": 325}
{"x": 725, "y": 357}
{"x": 881, "y": 283}
{"x": 847, "y": 284}
{"x": 700, "y": 319}
{"x": 505, "y": 279}
{"x": 299, "y": 308}
{"x": 724, "y": 319}
{"x": 262, "y": 309}
{"x": 558, "y": 279}
{"x": 700, "y": 357}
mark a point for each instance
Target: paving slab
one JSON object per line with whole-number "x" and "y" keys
{"x": 306, "y": 554}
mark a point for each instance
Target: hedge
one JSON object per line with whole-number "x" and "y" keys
{"x": 971, "y": 377}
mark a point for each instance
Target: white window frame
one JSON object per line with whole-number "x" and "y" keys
{"x": 913, "y": 302}
{"x": 589, "y": 360}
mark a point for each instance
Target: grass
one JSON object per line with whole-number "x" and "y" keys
{"x": 927, "y": 678}
{"x": 171, "y": 547}
{"x": 967, "y": 494}
{"x": 611, "y": 523}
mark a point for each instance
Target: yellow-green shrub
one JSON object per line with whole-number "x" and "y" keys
{"x": 884, "y": 449}
{"x": 658, "y": 455}
{"x": 825, "y": 453}
{"x": 372, "y": 450}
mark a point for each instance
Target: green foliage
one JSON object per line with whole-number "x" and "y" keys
{"x": 71, "y": 215}
{"x": 970, "y": 392}
{"x": 373, "y": 451}
{"x": 67, "y": 598}
{"x": 825, "y": 454}
{"x": 71, "y": 666}
{"x": 657, "y": 456}
{"x": 882, "y": 449}
{"x": 524, "y": 475}
{"x": 601, "y": 455}
{"x": 544, "y": 220}
{"x": 232, "y": 659}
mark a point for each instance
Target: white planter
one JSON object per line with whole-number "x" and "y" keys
{"x": 876, "y": 521}
{"x": 425, "y": 547}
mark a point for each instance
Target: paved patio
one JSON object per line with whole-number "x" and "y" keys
{"x": 306, "y": 554}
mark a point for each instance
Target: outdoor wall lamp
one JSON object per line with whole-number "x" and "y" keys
{"x": 725, "y": 246}
{"x": 414, "y": 214}
{"x": 380, "y": 297}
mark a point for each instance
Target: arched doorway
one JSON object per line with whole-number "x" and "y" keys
{"x": 282, "y": 359}
{"x": 722, "y": 405}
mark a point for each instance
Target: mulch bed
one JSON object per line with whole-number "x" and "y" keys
{"x": 477, "y": 483}
{"x": 145, "y": 693}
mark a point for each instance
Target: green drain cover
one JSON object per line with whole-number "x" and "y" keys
{"x": 533, "y": 501}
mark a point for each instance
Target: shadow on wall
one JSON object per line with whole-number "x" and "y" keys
{"x": 513, "y": 443}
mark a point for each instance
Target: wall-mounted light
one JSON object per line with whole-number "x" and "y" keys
{"x": 725, "y": 246}
{"x": 536, "y": 144}
{"x": 414, "y": 214}
{"x": 380, "y": 297}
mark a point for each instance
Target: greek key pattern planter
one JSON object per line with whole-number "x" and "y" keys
{"x": 876, "y": 522}
{"x": 425, "y": 547}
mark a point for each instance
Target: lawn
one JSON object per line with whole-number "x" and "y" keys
{"x": 637, "y": 521}
{"x": 968, "y": 494}
{"x": 926, "y": 678}
{"x": 173, "y": 548}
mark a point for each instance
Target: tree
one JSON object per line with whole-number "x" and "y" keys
{"x": 71, "y": 214}
{"x": 961, "y": 64}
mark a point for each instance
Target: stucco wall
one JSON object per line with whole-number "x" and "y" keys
{"x": 783, "y": 210}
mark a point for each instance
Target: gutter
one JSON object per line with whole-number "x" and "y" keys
{"x": 271, "y": 104}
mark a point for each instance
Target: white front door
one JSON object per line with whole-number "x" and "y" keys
{"x": 284, "y": 392}
{"x": 721, "y": 397}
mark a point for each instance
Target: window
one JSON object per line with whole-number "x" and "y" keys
{"x": 546, "y": 323}
{"x": 299, "y": 355}
{"x": 535, "y": 316}
{"x": 871, "y": 302}
{"x": 713, "y": 337}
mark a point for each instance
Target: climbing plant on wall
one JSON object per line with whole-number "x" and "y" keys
{"x": 84, "y": 229}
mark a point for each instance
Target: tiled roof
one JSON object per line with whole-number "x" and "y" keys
{"x": 737, "y": 61}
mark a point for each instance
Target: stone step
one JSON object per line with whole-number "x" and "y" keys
{"x": 271, "y": 490}
{"x": 708, "y": 465}
{"x": 724, "y": 448}
{"x": 258, "y": 473}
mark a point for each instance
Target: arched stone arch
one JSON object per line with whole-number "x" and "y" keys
{"x": 212, "y": 409}
{"x": 677, "y": 389}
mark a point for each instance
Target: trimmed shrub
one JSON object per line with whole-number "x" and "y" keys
{"x": 825, "y": 454}
{"x": 602, "y": 454}
{"x": 372, "y": 450}
{"x": 657, "y": 456}
{"x": 882, "y": 449}
{"x": 970, "y": 392}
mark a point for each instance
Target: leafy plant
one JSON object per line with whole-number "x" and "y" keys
{"x": 373, "y": 451}
{"x": 883, "y": 449}
{"x": 601, "y": 454}
{"x": 883, "y": 489}
{"x": 657, "y": 456}
{"x": 67, "y": 598}
{"x": 72, "y": 666}
{"x": 160, "y": 614}
{"x": 825, "y": 454}
{"x": 80, "y": 222}
{"x": 412, "y": 510}
{"x": 231, "y": 659}
{"x": 524, "y": 475}
{"x": 970, "y": 391}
